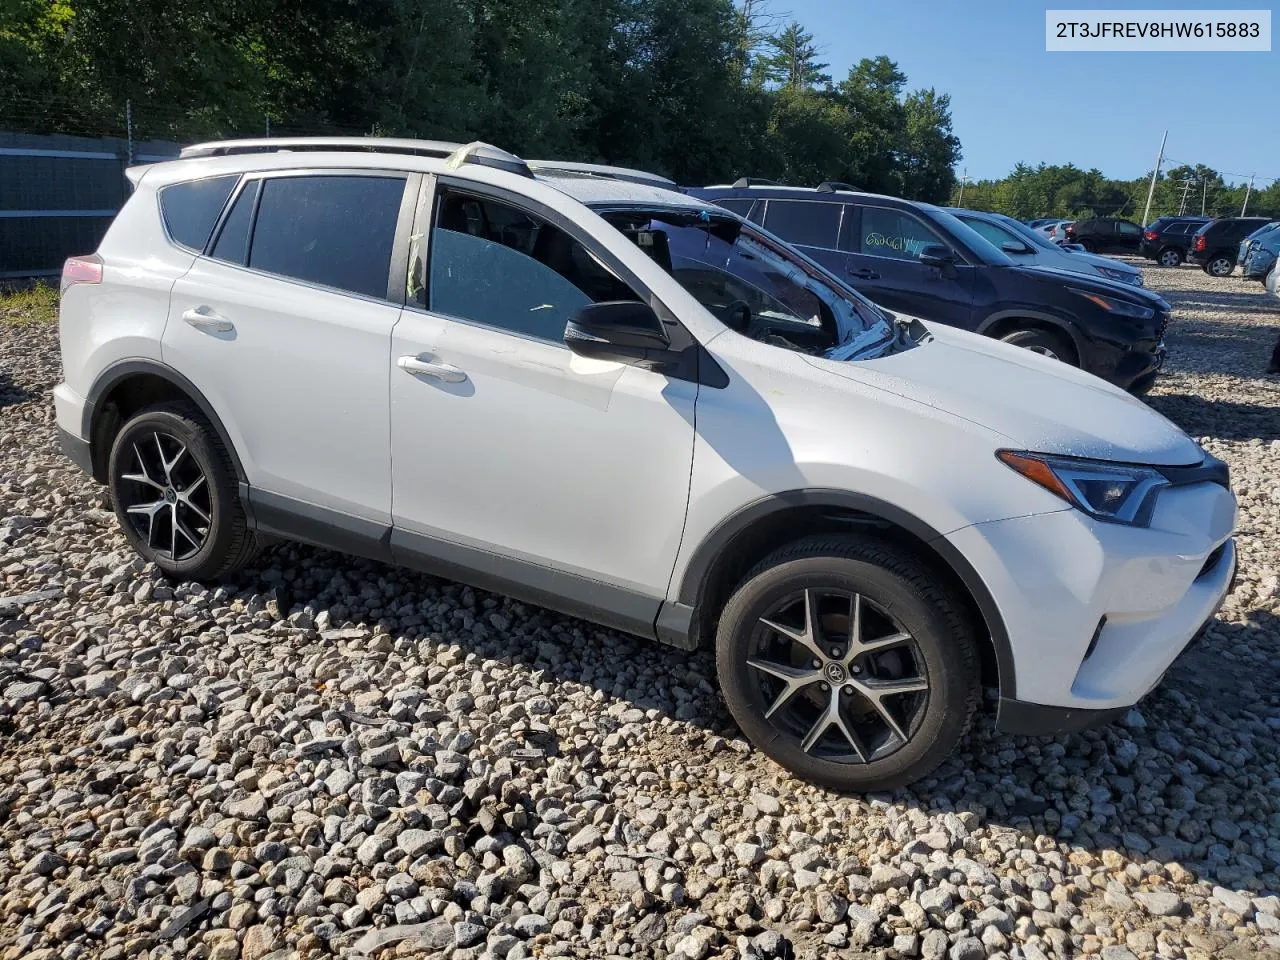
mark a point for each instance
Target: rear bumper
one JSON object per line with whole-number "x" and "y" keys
{"x": 76, "y": 450}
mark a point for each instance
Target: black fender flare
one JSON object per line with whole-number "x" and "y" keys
{"x": 1049, "y": 319}
{"x": 697, "y": 571}
{"x": 122, "y": 370}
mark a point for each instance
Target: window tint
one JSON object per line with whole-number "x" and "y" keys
{"x": 892, "y": 233}
{"x": 1128, "y": 228}
{"x": 811, "y": 223}
{"x": 333, "y": 230}
{"x": 497, "y": 265}
{"x": 849, "y": 229}
{"x": 232, "y": 244}
{"x": 741, "y": 205}
{"x": 991, "y": 233}
{"x": 191, "y": 209}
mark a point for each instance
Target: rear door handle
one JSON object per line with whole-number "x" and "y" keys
{"x": 203, "y": 318}
{"x": 864, "y": 274}
{"x": 427, "y": 366}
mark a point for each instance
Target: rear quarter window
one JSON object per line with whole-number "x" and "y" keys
{"x": 190, "y": 209}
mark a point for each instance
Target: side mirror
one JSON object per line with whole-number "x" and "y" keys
{"x": 937, "y": 255}
{"x": 624, "y": 331}
{"x": 1013, "y": 246}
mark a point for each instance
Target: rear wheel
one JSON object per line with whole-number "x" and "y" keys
{"x": 1220, "y": 265}
{"x": 849, "y": 663}
{"x": 175, "y": 494}
{"x": 1170, "y": 257}
{"x": 1044, "y": 342}
{"x": 1089, "y": 245}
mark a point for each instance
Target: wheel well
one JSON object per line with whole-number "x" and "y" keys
{"x": 1007, "y": 325}
{"x": 748, "y": 547}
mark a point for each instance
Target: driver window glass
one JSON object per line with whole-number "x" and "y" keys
{"x": 1130, "y": 228}
{"x": 497, "y": 265}
{"x": 893, "y": 233}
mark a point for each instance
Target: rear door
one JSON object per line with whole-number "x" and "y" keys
{"x": 882, "y": 247}
{"x": 284, "y": 325}
{"x": 1127, "y": 236}
{"x": 811, "y": 225}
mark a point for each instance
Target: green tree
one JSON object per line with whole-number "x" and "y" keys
{"x": 793, "y": 64}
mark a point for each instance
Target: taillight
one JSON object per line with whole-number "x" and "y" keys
{"x": 1150, "y": 234}
{"x": 87, "y": 269}
{"x": 1198, "y": 244}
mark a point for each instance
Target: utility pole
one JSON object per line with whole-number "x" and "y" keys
{"x": 963, "y": 180}
{"x": 1186, "y": 189}
{"x": 1155, "y": 175}
{"x": 1204, "y": 194}
{"x": 1247, "y": 190}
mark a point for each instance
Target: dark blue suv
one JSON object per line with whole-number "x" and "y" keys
{"x": 917, "y": 259}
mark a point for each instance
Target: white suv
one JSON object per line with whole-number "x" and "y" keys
{"x": 620, "y": 402}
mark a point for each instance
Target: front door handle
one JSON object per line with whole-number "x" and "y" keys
{"x": 203, "y": 318}
{"x": 424, "y": 364}
{"x": 864, "y": 274}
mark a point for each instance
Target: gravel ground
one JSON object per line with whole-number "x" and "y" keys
{"x": 327, "y": 756}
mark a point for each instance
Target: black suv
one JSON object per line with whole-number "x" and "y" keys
{"x": 1105, "y": 235}
{"x": 1167, "y": 239}
{"x": 1216, "y": 245}
{"x": 919, "y": 260}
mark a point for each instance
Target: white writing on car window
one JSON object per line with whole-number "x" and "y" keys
{"x": 877, "y": 242}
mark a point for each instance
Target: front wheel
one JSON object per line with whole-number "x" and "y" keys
{"x": 1044, "y": 342}
{"x": 848, "y": 662}
{"x": 174, "y": 492}
{"x": 1220, "y": 266}
{"x": 1089, "y": 246}
{"x": 1170, "y": 257}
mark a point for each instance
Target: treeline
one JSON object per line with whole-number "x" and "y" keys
{"x": 699, "y": 90}
{"x": 1068, "y": 191}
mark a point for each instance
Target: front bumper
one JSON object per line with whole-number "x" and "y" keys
{"x": 1097, "y": 612}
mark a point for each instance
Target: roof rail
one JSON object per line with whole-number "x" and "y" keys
{"x": 742, "y": 182}
{"x": 477, "y": 152}
{"x": 222, "y": 148}
{"x": 602, "y": 170}
{"x": 831, "y": 186}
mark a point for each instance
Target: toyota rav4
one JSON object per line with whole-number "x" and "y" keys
{"x": 579, "y": 388}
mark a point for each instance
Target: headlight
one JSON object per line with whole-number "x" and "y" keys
{"x": 1111, "y": 492}
{"x": 1121, "y": 308}
{"x": 1124, "y": 276}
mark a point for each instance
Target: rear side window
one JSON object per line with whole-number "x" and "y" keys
{"x": 232, "y": 244}
{"x": 191, "y": 209}
{"x": 809, "y": 223}
{"x": 741, "y": 206}
{"x": 332, "y": 230}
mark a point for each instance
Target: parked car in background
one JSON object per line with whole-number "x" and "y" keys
{"x": 1105, "y": 235}
{"x": 1166, "y": 240}
{"x": 1054, "y": 230}
{"x": 1261, "y": 257}
{"x": 1216, "y": 244}
{"x": 1253, "y": 238}
{"x": 1040, "y": 222}
{"x": 870, "y": 522}
{"x": 919, "y": 260}
{"x": 1025, "y": 245}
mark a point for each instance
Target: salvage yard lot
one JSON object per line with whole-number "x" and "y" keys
{"x": 323, "y": 747}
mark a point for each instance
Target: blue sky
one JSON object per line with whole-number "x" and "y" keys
{"x": 1011, "y": 100}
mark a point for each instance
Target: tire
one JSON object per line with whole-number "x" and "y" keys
{"x": 899, "y": 597}
{"x": 1089, "y": 245}
{"x": 1220, "y": 265}
{"x": 167, "y": 462}
{"x": 1044, "y": 342}
{"x": 1170, "y": 257}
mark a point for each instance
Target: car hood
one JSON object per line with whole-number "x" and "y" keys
{"x": 1033, "y": 402}
{"x": 1097, "y": 282}
{"x": 1094, "y": 260}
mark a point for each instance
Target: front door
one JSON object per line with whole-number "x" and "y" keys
{"x": 883, "y": 247}
{"x": 537, "y": 471}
